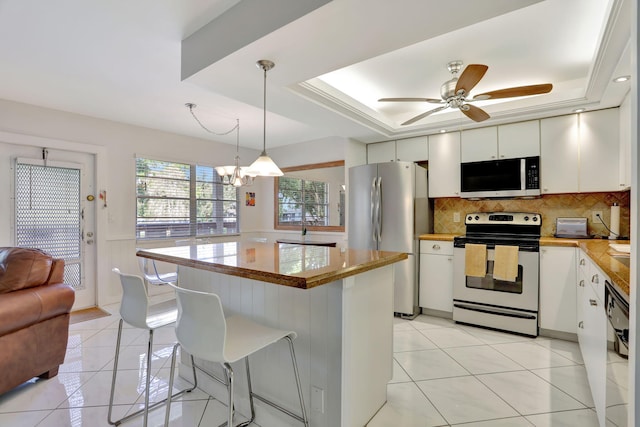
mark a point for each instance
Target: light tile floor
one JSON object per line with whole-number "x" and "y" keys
{"x": 444, "y": 374}
{"x": 451, "y": 374}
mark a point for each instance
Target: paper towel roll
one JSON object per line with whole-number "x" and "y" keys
{"x": 615, "y": 221}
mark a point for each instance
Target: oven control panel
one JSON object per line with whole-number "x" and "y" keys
{"x": 503, "y": 218}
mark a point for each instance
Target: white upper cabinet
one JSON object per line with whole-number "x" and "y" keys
{"x": 412, "y": 149}
{"x": 519, "y": 140}
{"x": 381, "y": 152}
{"x": 625, "y": 144}
{"x": 444, "y": 165}
{"x": 559, "y": 155}
{"x": 477, "y": 145}
{"x": 403, "y": 150}
{"x": 580, "y": 153}
{"x": 599, "y": 150}
{"x": 501, "y": 142}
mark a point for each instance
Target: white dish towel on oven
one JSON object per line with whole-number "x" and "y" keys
{"x": 505, "y": 263}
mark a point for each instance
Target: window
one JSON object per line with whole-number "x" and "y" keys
{"x": 297, "y": 195}
{"x": 315, "y": 189}
{"x": 183, "y": 200}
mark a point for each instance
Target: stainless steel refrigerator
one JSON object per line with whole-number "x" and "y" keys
{"x": 388, "y": 210}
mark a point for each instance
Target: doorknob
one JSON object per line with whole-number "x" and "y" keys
{"x": 90, "y": 242}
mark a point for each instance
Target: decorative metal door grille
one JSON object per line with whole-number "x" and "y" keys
{"x": 49, "y": 216}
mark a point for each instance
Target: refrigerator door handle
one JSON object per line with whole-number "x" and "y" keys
{"x": 373, "y": 209}
{"x": 379, "y": 213}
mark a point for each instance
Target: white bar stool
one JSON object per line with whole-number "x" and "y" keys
{"x": 137, "y": 312}
{"x": 152, "y": 276}
{"x": 204, "y": 332}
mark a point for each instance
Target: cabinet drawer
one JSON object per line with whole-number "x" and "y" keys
{"x": 436, "y": 247}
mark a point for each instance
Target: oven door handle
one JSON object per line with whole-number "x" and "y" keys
{"x": 494, "y": 311}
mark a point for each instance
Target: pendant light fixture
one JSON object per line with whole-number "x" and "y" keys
{"x": 264, "y": 166}
{"x": 236, "y": 175}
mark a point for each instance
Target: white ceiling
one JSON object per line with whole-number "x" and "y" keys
{"x": 121, "y": 60}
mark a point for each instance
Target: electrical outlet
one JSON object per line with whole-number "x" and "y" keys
{"x": 317, "y": 399}
{"x": 456, "y": 217}
{"x": 595, "y": 215}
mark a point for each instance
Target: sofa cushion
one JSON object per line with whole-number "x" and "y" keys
{"x": 22, "y": 268}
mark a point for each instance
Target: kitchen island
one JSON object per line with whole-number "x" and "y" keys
{"x": 339, "y": 302}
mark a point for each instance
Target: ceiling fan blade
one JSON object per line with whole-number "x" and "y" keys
{"x": 515, "y": 91}
{"x": 470, "y": 77}
{"x": 423, "y": 115}
{"x": 474, "y": 113}
{"x": 431, "y": 100}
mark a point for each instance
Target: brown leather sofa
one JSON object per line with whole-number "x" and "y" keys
{"x": 34, "y": 315}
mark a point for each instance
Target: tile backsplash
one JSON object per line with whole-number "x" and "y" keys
{"x": 549, "y": 206}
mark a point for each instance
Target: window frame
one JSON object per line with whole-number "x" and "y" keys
{"x": 193, "y": 199}
{"x": 276, "y": 201}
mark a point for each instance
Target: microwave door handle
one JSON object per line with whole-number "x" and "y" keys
{"x": 523, "y": 174}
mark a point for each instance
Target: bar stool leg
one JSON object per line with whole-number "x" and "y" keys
{"x": 148, "y": 379}
{"x": 115, "y": 370}
{"x": 253, "y": 410}
{"x": 305, "y": 420}
{"x": 171, "y": 377}
{"x": 229, "y": 373}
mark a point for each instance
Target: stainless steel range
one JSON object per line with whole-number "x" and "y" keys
{"x": 484, "y": 300}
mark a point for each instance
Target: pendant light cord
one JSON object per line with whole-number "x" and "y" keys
{"x": 191, "y": 106}
{"x": 264, "y": 113}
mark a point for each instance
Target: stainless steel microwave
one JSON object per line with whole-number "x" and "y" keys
{"x": 501, "y": 178}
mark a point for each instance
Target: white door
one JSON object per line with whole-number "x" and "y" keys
{"x": 54, "y": 210}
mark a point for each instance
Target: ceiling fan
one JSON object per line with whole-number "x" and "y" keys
{"x": 454, "y": 93}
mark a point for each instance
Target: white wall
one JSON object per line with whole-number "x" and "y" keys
{"x": 116, "y": 146}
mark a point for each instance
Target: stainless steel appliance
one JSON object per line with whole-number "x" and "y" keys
{"x": 573, "y": 228}
{"x": 388, "y": 210}
{"x": 618, "y": 313}
{"x": 501, "y": 178}
{"x": 486, "y": 301}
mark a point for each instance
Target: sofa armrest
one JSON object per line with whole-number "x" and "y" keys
{"x": 25, "y": 307}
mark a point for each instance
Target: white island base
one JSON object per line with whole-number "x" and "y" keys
{"x": 344, "y": 346}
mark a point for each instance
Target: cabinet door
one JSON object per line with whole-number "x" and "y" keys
{"x": 413, "y": 149}
{"x": 519, "y": 140}
{"x": 381, "y": 152}
{"x": 559, "y": 155}
{"x": 599, "y": 150}
{"x": 478, "y": 145}
{"x": 436, "y": 282}
{"x": 444, "y": 165}
{"x": 594, "y": 351}
{"x": 624, "y": 180}
{"x": 558, "y": 289}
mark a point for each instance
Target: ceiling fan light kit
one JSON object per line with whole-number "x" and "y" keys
{"x": 454, "y": 93}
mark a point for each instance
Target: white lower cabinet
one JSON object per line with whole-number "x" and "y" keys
{"x": 436, "y": 275}
{"x": 558, "y": 289}
{"x": 592, "y": 330}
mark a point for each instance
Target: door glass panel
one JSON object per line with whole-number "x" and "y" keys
{"x": 48, "y": 214}
{"x": 489, "y": 283}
